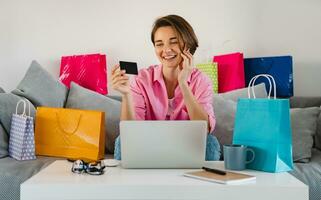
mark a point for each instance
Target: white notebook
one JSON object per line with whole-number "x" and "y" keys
{"x": 228, "y": 178}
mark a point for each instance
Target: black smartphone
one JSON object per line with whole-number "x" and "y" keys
{"x": 130, "y": 67}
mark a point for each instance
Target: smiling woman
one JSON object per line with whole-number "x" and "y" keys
{"x": 173, "y": 90}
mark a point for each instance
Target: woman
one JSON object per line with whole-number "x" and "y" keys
{"x": 173, "y": 90}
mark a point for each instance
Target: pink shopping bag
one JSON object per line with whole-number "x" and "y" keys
{"x": 88, "y": 71}
{"x": 230, "y": 72}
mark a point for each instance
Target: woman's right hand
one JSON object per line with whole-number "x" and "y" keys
{"x": 120, "y": 81}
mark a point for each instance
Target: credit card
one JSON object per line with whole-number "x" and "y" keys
{"x": 130, "y": 67}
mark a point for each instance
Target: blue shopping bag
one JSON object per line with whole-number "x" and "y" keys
{"x": 280, "y": 67}
{"x": 264, "y": 125}
{"x": 22, "y": 140}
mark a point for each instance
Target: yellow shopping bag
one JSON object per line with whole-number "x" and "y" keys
{"x": 70, "y": 133}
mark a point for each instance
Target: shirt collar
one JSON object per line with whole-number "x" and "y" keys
{"x": 158, "y": 74}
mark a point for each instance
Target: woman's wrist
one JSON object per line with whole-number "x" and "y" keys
{"x": 186, "y": 90}
{"x": 126, "y": 95}
{"x": 127, "y": 112}
{"x": 183, "y": 85}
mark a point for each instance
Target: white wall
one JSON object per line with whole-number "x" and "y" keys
{"x": 45, "y": 30}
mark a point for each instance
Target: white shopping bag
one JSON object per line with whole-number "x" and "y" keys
{"x": 22, "y": 140}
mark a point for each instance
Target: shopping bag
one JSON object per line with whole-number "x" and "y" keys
{"x": 70, "y": 133}
{"x": 230, "y": 72}
{"x": 264, "y": 126}
{"x": 279, "y": 67}
{"x": 210, "y": 69}
{"x": 88, "y": 71}
{"x": 22, "y": 141}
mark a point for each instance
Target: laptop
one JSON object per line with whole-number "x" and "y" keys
{"x": 163, "y": 144}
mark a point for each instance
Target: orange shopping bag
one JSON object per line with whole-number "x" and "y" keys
{"x": 70, "y": 133}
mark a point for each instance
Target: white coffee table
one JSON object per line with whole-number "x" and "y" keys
{"x": 58, "y": 182}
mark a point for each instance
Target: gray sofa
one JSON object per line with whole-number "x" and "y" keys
{"x": 310, "y": 172}
{"x": 306, "y": 147}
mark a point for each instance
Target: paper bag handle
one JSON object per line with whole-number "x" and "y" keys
{"x": 68, "y": 132}
{"x": 252, "y": 83}
{"x": 24, "y": 107}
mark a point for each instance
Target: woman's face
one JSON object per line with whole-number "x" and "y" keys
{"x": 167, "y": 47}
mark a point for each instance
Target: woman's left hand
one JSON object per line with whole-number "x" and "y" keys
{"x": 185, "y": 67}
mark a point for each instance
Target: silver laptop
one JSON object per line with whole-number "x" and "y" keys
{"x": 163, "y": 144}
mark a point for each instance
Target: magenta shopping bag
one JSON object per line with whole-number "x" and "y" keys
{"x": 88, "y": 71}
{"x": 230, "y": 72}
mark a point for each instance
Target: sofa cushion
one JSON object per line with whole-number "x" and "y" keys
{"x": 304, "y": 125}
{"x": 4, "y": 142}
{"x": 118, "y": 98}
{"x": 304, "y": 102}
{"x": 82, "y": 98}
{"x": 224, "y": 110}
{"x": 41, "y": 88}
{"x": 2, "y": 90}
{"x": 318, "y": 134}
{"x": 233, "y": 95}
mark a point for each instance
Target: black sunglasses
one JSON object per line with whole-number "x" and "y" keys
{"x": 93, "y": 168}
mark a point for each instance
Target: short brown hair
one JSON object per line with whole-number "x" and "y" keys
{"x": 181, "y": 27}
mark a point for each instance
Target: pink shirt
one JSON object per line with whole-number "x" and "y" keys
{"x": 151, "y": 100}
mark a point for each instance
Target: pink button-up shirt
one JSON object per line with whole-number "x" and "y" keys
{"x": 151, "y": 100}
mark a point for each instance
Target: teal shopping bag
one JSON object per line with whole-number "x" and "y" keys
{"x": 264, "y": 125}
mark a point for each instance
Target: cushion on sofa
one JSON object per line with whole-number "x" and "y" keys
{"x": 4, "y": 142}
{"x": 2, "y": 90}
{"x": 8, "y": 103}
{"x": 304, "y": 102}
{"x": 224, "y": 110}
{"x": 260, "y": 92}
{"x": 118, "y": 98}
{"x": 318, "y": 134}
{"x": 304, "y": 125}
{"x": 82, "y": 98}
{"x": 41, "y": 88}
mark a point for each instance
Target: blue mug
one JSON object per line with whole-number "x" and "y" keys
{"x": 235, "y": 156}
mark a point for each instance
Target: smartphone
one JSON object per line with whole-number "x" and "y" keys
{"x": 130, "y": 67}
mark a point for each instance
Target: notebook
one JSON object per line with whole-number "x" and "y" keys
{"x": 163, "y": 144}
{"x": 229, "y": 178}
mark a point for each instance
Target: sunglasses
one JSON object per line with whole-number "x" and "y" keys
{"x": 93, "y": 168}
